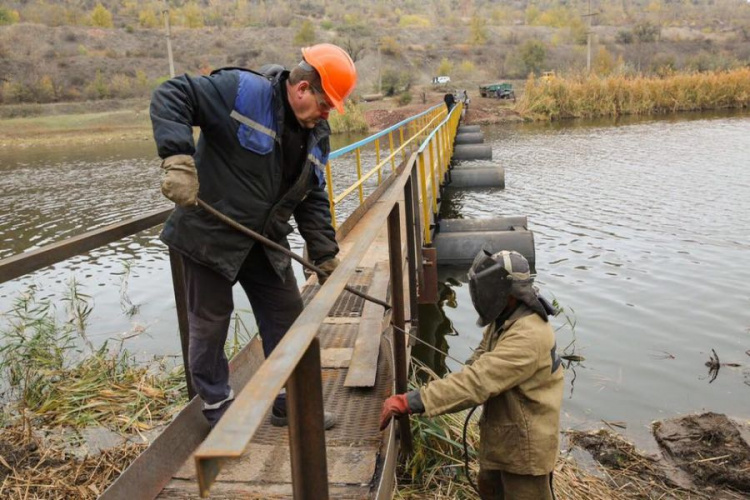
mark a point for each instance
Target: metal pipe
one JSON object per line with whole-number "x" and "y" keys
{"x": 272, "y": 244}
{"x": 411, "y": 250}
{"x": 397, "y": 296}
{"x": 307, "y": 444}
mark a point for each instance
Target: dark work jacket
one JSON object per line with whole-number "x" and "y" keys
{"x": 241, "y": 117}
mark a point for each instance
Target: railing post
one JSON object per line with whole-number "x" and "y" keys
{"x": 397, "y": 301}
{"x": 307, "y": 445}
{"x": 359, "y": 176}
{"x": 377, "y": 161}
{"x": 180, "y": 300}
{"x": 411, "y": 251}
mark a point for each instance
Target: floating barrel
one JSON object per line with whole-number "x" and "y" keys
{"x": 477, "y": 177}
{"x": 472, "y": 152}
{"x": 469, "y": 128}
{"x": 460, "y": 248}
{"x": 489, "y": 224}
{"x": 470, "y": 138}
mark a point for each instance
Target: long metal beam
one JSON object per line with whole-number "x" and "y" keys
{"x": 235, "y": 430}
{"x": 28, "y": 262}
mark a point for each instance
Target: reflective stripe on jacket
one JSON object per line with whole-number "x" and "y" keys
{"x": 517, "y": 375}
{"x": 238, "y": 157}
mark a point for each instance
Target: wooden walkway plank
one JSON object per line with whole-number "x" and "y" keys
{"x": 364, "y": 363}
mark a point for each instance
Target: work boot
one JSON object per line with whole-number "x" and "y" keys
{"x": 215, "y": 411}
{"x": 280, "y": 419}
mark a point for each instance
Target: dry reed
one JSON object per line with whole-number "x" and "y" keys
{"x": 30, "y": 470}
{"x": 592, "y": 96}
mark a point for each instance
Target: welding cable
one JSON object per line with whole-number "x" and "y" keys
{"x": 272, "y": 244}
{"x": 468, "y": 417}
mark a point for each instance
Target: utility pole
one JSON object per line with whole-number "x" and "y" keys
{"x": 588, "y": 39}
{"x": 165, "y": 13}
{"x": 380, "y": 72}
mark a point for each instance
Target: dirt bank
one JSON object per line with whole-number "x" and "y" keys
{"x": 703, "y": 456}
{"x": 481, "y": 111}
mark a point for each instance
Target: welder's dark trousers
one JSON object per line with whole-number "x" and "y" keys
{"x": 276, "y": 305}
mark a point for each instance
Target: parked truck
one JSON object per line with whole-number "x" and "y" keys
{"x": 497, "y": 90}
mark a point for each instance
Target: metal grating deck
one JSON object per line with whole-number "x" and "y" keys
{"x": 353, "y": 445}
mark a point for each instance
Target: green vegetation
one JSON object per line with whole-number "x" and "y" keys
{"x": 101, "y": 17}
{"x": 8, "y": 16}
{"x": 306, "y": 34}
{"x": 351, "y": 121}
{"x": 52, "y": 371}
{"x": 584, "y": 97}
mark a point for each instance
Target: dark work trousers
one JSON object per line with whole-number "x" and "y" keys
{"x": 276, "y": 305}
{"x": 501, "y": 485}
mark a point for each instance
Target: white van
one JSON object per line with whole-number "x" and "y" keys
{"x": 441, "y": 80}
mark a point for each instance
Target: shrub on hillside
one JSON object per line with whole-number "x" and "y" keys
{"x": 404, "y": 98}
{"x": 306, "y": 34}
{"x": 389, "y": 46}
{"x": 101, "y": 17}
{"x": 477, "y": 31}
{"x": 148, "y": 19}
{"x": 445, "y": 68}
{"x": 533, "y": 54}
{"x": 192, "y": 15}
{"x": 624, "y": 37}
{"x": 413, "y": 21}
{"x": 8, "y": 16}
{"x": 394, "y": 81}
{"x": 351, "y": 121}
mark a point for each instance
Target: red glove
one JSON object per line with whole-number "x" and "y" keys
{"x": 395, "y": 406}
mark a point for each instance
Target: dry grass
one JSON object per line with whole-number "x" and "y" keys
{"x": 592, "y": 96}
{"x": 436, "y": 468}
{"x": 29, "y": 470}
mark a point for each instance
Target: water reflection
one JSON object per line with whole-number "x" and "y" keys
{"x": 434, "y": 326}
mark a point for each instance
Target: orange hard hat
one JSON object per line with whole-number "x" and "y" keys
{"x": 336, "y": 69}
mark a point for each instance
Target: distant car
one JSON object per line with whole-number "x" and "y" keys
{"x": 498, "y": 90}
{"x": 441, "y": 80}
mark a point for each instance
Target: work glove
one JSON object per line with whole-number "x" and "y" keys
{"x": 180, "y": 180}
{"x": 328, "y": 266}
{"x": 394, "y": 407}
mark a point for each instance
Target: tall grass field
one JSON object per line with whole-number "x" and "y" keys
{"x": 557, "y": 98}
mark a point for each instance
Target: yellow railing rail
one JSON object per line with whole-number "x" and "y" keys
{"x": 431, "y": 133}
{"x": 410, "y": 133}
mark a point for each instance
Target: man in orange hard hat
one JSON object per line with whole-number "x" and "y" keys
{"x": 260, "y": 159}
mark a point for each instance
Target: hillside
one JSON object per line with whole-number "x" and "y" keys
{"x": 78, "y": 50}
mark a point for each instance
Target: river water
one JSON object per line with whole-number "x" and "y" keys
{"x": 642, "y": 232}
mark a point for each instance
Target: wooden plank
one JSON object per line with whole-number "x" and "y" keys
{"x": 364, "y": 363}
{"x": 336, "y": 320}
{"x": 335, "y": 357}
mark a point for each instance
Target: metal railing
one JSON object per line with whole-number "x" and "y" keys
{"x": 296, "y": 360}
{"x": 409, "y": 132}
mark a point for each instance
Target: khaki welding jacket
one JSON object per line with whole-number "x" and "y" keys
{"x": 516, "y": 373}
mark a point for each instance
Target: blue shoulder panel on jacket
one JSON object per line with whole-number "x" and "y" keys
{"x": 319, "y": 160}
{"x": 253, "y": 108}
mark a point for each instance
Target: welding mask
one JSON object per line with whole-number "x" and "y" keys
{"x": 489, "y": 285}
